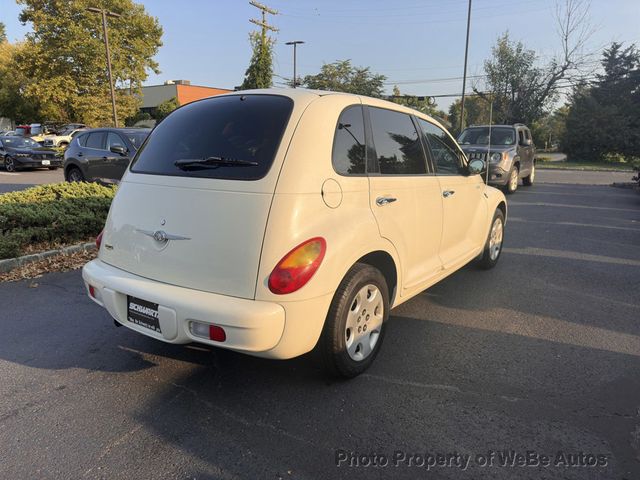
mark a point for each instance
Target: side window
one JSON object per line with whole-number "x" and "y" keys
{"x": 397, "y": 143}
{"x": 95, "y": 140}
{"x": 521, "y": 137}
{"x": 348, "y": 143}
{"x": 446, "y": 156}
{"x": 113, "y": 139}
{"x": 82, "y": 140}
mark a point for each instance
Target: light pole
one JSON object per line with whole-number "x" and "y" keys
{"x": 295, "y": 45}
{"x": 464, "y": 76}
{"x": 105, "y": 14}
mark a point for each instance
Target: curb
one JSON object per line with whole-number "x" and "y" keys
{"x": 10, "y": 263}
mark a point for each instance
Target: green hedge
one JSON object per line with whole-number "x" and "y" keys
{"x": 61, "y": 212}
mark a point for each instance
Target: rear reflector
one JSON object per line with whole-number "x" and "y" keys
{"x": 99, "y": 239}
{"x": 205, "y": 330}
{"x": 92, "y": 291}
{"x": 217, "y": 333}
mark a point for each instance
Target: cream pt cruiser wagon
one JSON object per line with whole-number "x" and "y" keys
{"x": 271, "y": 222}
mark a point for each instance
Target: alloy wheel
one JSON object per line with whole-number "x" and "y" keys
{"x": 9, "y": 165}
{"x": 513, "y": 180}
{"x": 495, "y": 240}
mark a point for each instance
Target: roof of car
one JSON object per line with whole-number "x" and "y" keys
{"x": 113, "y": 129}
{"x": 497, "y": 125}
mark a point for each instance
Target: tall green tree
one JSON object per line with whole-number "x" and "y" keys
{"x": 341, "y": 76}
{"x": 604, "y": 116}
{"x": 64, "y": 59}
{"x": 13, "y": 104}
{"x": 260, "y": 71}
{"x": 520, "y": 87}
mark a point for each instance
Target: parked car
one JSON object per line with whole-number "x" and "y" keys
{"x": 271, "y": 222}
{"x": 20, "y": 152}
{"x": 63, "y": 138}
{"x": 511, "y": 153}
{"x": 101, "y": 154}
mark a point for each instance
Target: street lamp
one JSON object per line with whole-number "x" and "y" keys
{"x": 105, "y": 14}
{"x": 295, "y": 45}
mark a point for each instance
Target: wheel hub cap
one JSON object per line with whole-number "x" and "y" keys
{"x": 364, "y": 322}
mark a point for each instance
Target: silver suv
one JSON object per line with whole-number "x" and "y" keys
{"x": 511, "y": 153}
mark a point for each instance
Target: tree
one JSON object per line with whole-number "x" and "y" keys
{"x": 422, "y": 104}
{"x": 260, "y": 71}
{"x": 341, "y": 76}
{"x": 549, "y": 130}
{"x": 165, "y": 108}
{"x": 3, "y": 33}
{"x": 520, "y": 90}
{"x": 476, "y": 112}
{"x": 604, "y": 116}
{"x": 12, "y": 101}
{"x": 64, "y": 59}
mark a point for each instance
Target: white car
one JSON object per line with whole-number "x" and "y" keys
{"x": 271, "y": 222}
{"x": 63, "y": 139}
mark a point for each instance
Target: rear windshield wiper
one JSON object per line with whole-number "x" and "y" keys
{"x": 212, "y": 162}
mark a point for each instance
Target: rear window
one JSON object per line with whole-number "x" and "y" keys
{"x": 246, "y": 128}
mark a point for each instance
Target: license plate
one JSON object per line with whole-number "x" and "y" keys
{"x": 46, "y": 162}
{"x": 143, "y": 313}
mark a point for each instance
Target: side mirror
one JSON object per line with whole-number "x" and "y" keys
{"x": 476, "y": 167}
{"x": 119, "y": 149}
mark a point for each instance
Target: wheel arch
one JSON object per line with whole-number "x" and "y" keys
{"x": 385, "y": 263}
{"x": 68, "y": 166}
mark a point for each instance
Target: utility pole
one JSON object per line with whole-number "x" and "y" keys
{"x": 464, "y": 76}
{"x": 263, "y": 23}
{"x": 295, "y": 43}
{"x": 105, "y": 14}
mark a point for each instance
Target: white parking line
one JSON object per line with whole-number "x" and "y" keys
{"x": 9, "y": 174}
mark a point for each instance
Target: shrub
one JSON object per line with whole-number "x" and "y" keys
{"x": 63, "y": 212}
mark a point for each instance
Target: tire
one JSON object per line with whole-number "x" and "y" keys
{"x": 528, "y": 180}
{"x": 491, "y": 252}
{"x": 512, "y": 183}
{"x": 74, "y": 175}
{"x": 9, "y": 164}
{"x": 345, "y": 351}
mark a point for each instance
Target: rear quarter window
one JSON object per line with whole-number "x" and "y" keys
{"x": 236, "y": 127}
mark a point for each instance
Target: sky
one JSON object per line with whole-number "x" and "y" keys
{"x": 417, "y": 44}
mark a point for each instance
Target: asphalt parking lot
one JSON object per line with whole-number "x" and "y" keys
{"x": 541, "y": 354}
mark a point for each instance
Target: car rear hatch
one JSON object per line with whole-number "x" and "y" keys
{"x": 200, "y": 224}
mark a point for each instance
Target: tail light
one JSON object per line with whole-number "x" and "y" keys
{"x": 99, "y": 239}
{"x": 297, "y": 267}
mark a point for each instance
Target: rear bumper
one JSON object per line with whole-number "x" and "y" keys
{"x": 251, "y": 326}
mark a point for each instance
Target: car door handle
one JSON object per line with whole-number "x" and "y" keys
{"x": 448, "y": 193}
{"x": 382, "y": 201}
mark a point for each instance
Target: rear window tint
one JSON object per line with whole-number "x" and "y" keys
{"x": 236, "y": 127}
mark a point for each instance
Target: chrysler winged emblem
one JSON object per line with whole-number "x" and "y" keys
{"x": 161, "y": 236}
